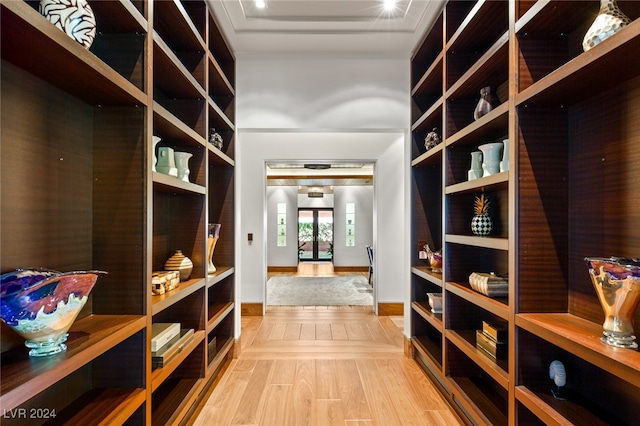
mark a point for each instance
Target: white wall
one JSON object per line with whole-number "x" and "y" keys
{"x": 362, "y": 197}
{"x": 287, "y": 255}
{"x": 325, "y": 108}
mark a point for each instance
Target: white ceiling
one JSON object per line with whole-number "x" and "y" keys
{"x": 325, "y": 26}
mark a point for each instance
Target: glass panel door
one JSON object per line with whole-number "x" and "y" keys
{"x": 315, "y": 234}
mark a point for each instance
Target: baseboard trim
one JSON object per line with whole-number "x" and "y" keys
{"x": 387, "y": 309}
{"x": 350, "y": 268}
{"x": 282, "y": 268}
{"x": 252, "y": 309}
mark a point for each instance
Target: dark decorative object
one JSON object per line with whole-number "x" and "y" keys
{"x": 617, "y": 284}
{"x": 558, "y": 374}
{"x": 609, "y": 21}
{"x": 42, "y": 304}
{"x": 432, "y": 139}
{"x": 215, "y": 139}
{"x": 74, "y": 17}
{"x": 485, "y": 104}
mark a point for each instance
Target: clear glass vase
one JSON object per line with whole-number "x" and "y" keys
{"x": 617, "y": 284}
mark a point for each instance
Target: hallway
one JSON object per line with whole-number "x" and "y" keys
{"x": 323, "y": 366}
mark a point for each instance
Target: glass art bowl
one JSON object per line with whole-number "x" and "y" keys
{"x": 42, "y": 304}
{"x": 617, "y": 284}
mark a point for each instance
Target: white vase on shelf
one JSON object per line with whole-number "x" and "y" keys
{"x": 166, "y": 161}
{"x": 491, "y": 158}
{"x": 609, "y": 21}
{"x": 182, "y": 164}
{"x": 504, "y": 164}
{"x": 475, "y": 172}
{"x": 156, "y": 140}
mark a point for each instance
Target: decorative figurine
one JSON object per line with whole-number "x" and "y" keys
{"x": 215, "y": 139}
{"x": 558, "y": 374}
{"x": 481, "y": 223}
{"x": 432, "y": 139}
{"x": 484, "y": 106}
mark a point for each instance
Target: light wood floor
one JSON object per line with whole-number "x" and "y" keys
{"x": 324, "y": 366}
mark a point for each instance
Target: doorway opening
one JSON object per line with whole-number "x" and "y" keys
{"x": 315, "y": 234}
{"x": 320, "y": 218}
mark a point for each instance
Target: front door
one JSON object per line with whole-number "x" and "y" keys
{"x": 315, "y": 234}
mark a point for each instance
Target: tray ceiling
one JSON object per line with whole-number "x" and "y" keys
{"x": 332, "y": 26}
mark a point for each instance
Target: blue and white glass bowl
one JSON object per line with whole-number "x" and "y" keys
{"x": 42, "y": 304}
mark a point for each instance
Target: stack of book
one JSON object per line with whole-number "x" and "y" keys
{"x": 492, "y": 341}
{"x": 489, "y": 284}
{"x": 167, "y": 341}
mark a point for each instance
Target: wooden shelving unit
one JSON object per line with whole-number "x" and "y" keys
{"x": 78, "y": 192}
{"x": 571, "y": 119}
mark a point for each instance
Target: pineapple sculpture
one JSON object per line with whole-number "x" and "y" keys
{"x": 481, "y": 224}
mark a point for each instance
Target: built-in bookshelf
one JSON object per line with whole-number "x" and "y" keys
{"x": 570, "y": 117}
{"x": 79, "y": 192}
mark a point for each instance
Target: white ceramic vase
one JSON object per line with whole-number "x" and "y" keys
{"x": 156, "y": 140}
{"x": 181, "y": 263}
{"x": 491, "y": 155}
{"x": 182, "y": 164}
{"x": 475, "y": 172}
{"x": 504, "y": 164}
{"x": 74, "y": 17}
{"x": 609, "y": 21}
{"x": 166, "y": 161}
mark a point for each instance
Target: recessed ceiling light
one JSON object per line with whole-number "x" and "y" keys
{"x": 389, "y": 5}
{"x": 260, "y": 4}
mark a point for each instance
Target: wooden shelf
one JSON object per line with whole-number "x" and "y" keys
{"x": 167, "y": 124}
{"x": 221, "y": 310}
{"x": 426, "y": 273}
{"x": 489, "y": 183}
{"x": 186, "y": 288}
{"x": 424, "y": 310}
{"x": 497, "y": 306}
{"x": 171, "y": 75}
{"x": 221, "y": 273}
{"x": 173, "y": 184}
{"x": 579, "y": 78}
{"x": 172, "y": 19}
{"x": 486, "y": 242}
{"x": 464, "y": 340}
{"x": 582, "y": 337}
{"x": 554, "y": 412}
{"x": 174, "y": 398}
{"x": 490, "y": 126}
{"x": 101, "y": 407}
{"x": 159, "y": 375}
{"x": 427, "y": 349}
{"x": 423, "y": 122}
{"x": 23, "y": 377}
{"x": 61, "y": 61}
{"x": 477, "y": 400}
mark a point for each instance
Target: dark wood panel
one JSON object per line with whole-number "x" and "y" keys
{"x": 604, "y": 170}
{"x": 542, "y": 208}
{"x": 47, "y": 180}
{"x": 221, "y": 210}
{"x": 119, "y": 218}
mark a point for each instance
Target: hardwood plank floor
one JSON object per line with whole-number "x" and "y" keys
{"x": 324, "y": 366}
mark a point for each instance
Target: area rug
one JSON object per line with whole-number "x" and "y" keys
{"x": 319, "y": 291}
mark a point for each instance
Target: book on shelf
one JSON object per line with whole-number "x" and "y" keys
{"x": 161, "y": 357}
{"x": 495, "y": 350}
{"x": 496, "y": 334}
{"x": 489, "y": 284}
{"x": 162, "y": 333}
